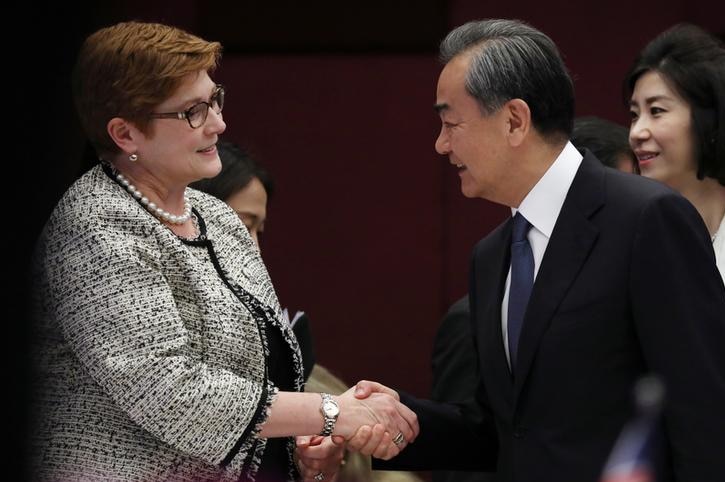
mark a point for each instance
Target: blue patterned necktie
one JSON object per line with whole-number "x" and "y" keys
{"x": 522, "y": 280}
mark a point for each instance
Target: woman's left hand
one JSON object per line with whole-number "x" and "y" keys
{"x": 319, "y": 458}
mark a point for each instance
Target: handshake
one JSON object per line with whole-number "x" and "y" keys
{"x": 371, "y": 421}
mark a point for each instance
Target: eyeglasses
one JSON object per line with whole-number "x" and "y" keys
{"x": 196, "y": 114}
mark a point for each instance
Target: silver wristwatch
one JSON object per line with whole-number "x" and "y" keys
{"x": 330, "y": 411}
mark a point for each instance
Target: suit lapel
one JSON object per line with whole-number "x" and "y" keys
{"x": 492, "y": 266}
{"x": 571, "y": 242}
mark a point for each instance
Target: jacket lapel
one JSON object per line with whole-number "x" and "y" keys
{"x": 492, "y": 264}
{"x": 570, "y": 244}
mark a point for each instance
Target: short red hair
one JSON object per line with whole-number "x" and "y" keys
{"x": 127, "y": 69}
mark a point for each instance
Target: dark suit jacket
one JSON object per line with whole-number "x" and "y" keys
{"x": 455, "y": 376}
{"x": 628, "y": 285}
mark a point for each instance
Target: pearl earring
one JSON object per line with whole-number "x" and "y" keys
{"x": 133, "y": 158}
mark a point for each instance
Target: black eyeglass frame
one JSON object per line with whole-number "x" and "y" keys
{"x": 216, "y": 97}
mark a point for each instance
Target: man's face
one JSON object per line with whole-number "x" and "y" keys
{"x": 473, "y": 141}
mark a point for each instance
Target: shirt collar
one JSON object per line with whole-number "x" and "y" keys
{"x": 542, "y": 204}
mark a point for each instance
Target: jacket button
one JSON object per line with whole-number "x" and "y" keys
{"x": 519, "y": 432}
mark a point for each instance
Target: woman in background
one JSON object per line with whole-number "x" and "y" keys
{"x": 676, "y": 93}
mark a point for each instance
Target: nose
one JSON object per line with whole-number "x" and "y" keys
{"x": 638, "y": 131}
{"x": 215, "y": 122}
{"x": 442, "y": 144}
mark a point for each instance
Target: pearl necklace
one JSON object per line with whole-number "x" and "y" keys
{"x": 152, "y": 207}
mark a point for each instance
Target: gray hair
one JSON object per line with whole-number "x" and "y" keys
{"x": 512, "y": 60}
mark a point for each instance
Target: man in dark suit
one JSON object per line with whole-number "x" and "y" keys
{"x": 610, "y": 277}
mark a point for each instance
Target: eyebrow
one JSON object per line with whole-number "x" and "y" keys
{"x": 441, "y": 107}
{"x": 652, "y": 99}
{"x": 196, "y": 100}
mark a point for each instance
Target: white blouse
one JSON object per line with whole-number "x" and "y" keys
{"x": 718, "y": 243}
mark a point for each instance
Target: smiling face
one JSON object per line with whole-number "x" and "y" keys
{"x": 661, "y": 131}
{"x": 473, "y": 141}
{"x": 174, "y": 152}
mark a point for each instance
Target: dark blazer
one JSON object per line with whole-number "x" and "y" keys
{"x": 455, "y": 376}
{"x": 627, "y": 286}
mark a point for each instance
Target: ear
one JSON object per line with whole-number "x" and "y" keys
{"x": 519, "y": 121}
{"x": 124, "y": 134}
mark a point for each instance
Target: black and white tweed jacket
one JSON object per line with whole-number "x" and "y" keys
{"x": 151, "y": 361}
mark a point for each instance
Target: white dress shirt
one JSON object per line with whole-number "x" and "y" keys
{"x": 541, "y": 208}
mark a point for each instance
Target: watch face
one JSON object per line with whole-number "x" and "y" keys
{"x": 331, "y": 409}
